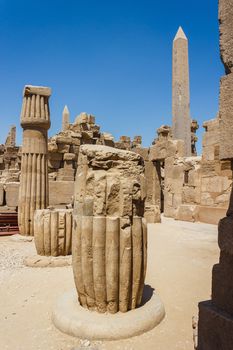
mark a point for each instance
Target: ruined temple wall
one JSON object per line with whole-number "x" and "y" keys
{"x": 198, "y": 188}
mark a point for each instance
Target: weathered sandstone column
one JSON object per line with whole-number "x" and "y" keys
{"x": 215, "y": 328}
{"x": 53, "y": 231}
{"x": 109, "y": 246}
{"x": 181, "y": 121}
{"x": 35, "y": 121}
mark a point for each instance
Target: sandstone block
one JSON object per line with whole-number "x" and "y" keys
{"x": 60, "y": 192}
{"x": 12, "y": 194}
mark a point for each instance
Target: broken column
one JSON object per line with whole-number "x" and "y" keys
{"x": 181, "y": 120}
{"x": 109, "y": 247}
{"x": 53, "y": 231}
{"x": 215, "y": 328}
{"x": 35, "y": 121}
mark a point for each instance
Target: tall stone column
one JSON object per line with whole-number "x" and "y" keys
{"x": 215, "y": 328}
{"x": 65, "y": 118}
{"x": 35, "y": 121}
{"x": 181, "y": 121}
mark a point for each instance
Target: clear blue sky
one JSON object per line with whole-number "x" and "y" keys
{"x": 109, "y": 58}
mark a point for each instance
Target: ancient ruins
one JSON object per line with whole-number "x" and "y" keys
{"x": 83, "y": 193}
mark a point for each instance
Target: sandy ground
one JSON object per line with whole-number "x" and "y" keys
{"x": 180, "y": 260}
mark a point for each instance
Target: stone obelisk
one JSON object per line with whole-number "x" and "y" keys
{"x": 181, "y": 121}
{"x": 65, "y": 118}
{"x": 35, "y": 121}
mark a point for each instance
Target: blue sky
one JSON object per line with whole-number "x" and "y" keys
{"x": 109, "y": 58}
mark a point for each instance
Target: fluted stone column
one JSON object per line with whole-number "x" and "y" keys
{"x": 35, "y": 121}
{"x": 109, "y": 248}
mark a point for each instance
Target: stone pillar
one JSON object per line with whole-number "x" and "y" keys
{"x": 65, "y": 118}
{"x": 215, "y": 328}
{"x": 53, "y": 231}
{"x": 109, "y": 248}
{"x": 35, "y": 121}
{"x": 181, "y": 120}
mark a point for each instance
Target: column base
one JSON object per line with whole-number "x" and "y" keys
{"x": 71, "y": 318}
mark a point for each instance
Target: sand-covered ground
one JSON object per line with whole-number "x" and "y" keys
{"x": 180, "y": 260}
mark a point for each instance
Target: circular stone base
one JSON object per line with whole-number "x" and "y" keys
{"x": 71, "y": 318}
{"x": 48, "y": 261}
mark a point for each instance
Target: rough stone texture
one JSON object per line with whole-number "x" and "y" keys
{"x": 110, "y": 235}
{"x": 53, "y": 231}
{"x": 69, "y": 316}
{"x": 181, "y": 121}
{"x": 226, "y": 38}
{"x": 61, "y": 192}
{"x": 215, "y": 328}
{"x": 35, "y": 121}
{"x": 226, "y": 86}
{"x": 12, "y": 194}
{"x": 226, "y": 117}
{"x": 164, "y": 146}
{"x": 181, "y": 187}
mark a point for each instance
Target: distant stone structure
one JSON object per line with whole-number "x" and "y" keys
{"x": 181, "y": 120}
{"x": 110, "y": 237}
{"x": 11, "y": 138}
{"x": 65, "y": 119}
{"x": 35, "y": 121}
{"x": 215, "y": 328}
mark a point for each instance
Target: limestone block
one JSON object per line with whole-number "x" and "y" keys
{"x": 226, "y": 38}
{"x": 226, "y": 117}
{"x": 215, "y": 328}
{"x": 12, "y": 194}
{"x": 53, "y": 231}
{"x": 60, "y": 192}
{"x": 109, "y": 236}
{"x": 209, "y": 214}
{"x": 1, "y": 193}
{"x": 187, "y": 213}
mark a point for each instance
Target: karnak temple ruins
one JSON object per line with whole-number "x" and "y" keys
{"x": 107, "y": 244}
